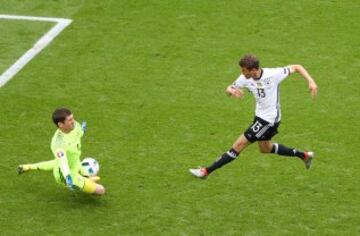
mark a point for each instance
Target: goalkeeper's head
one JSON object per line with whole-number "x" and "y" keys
{"x": 63, "y": 119}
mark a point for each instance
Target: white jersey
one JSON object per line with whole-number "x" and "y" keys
{"x": 266, "y": 92}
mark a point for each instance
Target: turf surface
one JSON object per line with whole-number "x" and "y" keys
{"x": 149, "y": 76}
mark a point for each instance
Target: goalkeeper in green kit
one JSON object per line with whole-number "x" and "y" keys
{"x": 66, "y": 148}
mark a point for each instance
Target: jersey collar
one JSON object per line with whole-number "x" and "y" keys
{"x": 262, "y": 72}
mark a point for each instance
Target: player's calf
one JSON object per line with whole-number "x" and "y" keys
{"x": 282, "y": 150}
{"x": 240, "y": 144}
{"x": 226, "y": 158}
{"x": 286, "y": 151}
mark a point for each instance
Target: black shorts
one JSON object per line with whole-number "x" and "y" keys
{"x": 261, "y": 130}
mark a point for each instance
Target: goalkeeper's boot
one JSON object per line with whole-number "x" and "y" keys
{"x": 308, "y": 157}
{"x": 199, "y": 172}
{"x": 22, "y": 169}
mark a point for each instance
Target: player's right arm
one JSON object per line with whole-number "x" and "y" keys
{"x": 60, "y": 155}
{"x": 231, "y": 90}
{"x": 236, "y": 89}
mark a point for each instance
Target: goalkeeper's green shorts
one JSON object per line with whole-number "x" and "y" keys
{"x": 82, "y": 183}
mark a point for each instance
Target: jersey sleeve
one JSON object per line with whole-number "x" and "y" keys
{"x": 240, "y": 82}
{"x": 59, "y": 151}
{"x": 60, "y": 155}
{"x": 281, "y": 73}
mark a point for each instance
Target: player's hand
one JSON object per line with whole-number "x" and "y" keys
{"x": 84, "y": 126}
{"x": 313, "y": 88}
{"x": 69, "y": 182}
{"x": 235, "y": 92}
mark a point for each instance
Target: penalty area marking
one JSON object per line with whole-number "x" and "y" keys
{"x": 44, "y": 41}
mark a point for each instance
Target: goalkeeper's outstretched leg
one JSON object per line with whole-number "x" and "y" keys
{"x": 44, "y": 165}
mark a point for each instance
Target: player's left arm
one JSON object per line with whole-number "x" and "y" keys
{"x": 60, "y": 155}
{"x": 304, "y": 73}
{"x": 84, "y": 126}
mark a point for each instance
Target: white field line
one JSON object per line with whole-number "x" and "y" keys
{"x": 45, "y": 40}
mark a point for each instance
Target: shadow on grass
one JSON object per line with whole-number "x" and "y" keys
{"x": 78, "y": 199}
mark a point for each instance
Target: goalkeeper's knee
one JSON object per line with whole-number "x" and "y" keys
{"x": 100, "y": 190}
{"x": 93, "y": 188}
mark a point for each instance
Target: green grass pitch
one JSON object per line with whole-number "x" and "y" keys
{"x": 149, "y": 78}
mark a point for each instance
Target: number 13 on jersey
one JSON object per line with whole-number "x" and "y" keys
{"x": 261, "y": 92}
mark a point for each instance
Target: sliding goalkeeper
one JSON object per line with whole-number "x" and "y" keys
{"x": 66, "y": 148}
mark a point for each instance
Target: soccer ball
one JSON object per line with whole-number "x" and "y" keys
{"x": 89, "y": 167}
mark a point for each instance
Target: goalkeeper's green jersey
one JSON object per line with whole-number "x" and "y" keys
{"x": 67, "y": 146}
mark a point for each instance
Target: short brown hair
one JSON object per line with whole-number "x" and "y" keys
{"x": 60, "y": 114}
{"x": 249, "y": 62}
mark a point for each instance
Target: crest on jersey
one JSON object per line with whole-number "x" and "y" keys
{"x": 267, "y": 81}
{"x": 60, "y": 154}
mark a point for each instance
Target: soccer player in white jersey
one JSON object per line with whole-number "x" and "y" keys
{"x": 263, "y": 83}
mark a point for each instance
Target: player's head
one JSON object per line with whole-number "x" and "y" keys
{"x": 249, "y": 66}
{"x": 64, "y": 119}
